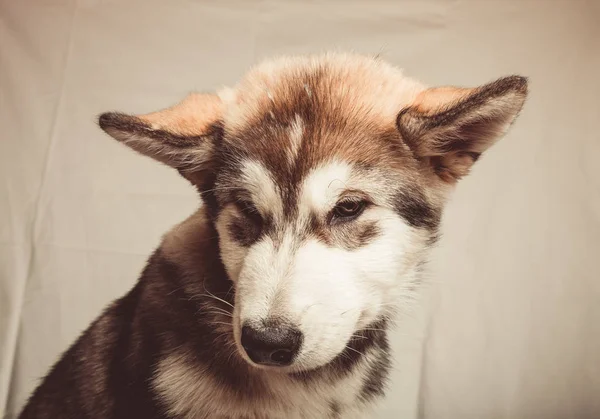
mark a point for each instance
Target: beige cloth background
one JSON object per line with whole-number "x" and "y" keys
{"x": 512, "y": 324}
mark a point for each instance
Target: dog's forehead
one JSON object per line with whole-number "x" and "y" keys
{"x": 346, "y": 83}
{"x": 295, "y": 116}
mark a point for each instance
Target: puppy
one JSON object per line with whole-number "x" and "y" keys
{"x": 323, "y": 180}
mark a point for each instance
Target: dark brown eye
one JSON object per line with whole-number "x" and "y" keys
{"x": 348, "y": 210}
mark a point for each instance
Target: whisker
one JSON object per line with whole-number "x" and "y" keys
{"x": 210, "y": 307}
{"x": 216, "y": 298}
{"x": 346, "y": 356}
{"x": 230, "y": 356}
{"x": 175, "y": 290}
{"x": 352, "y": 349}
{"x": 228, "y": 291}
{"x": 221, "y": 310}
{"x": 218, "y": 313}
{"x": 226, "y": 324}
{"x": 359, "y": 337}
{"x": 222, "y": 188}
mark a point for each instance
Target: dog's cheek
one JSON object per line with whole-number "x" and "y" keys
{"x": 390, "y": 267}
{"x": 232, "y": 252}
{"x": 380, "y": 264}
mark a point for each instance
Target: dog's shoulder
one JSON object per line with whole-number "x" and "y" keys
{"x": 102, "y": 374}
{"x": 106, "y": 371}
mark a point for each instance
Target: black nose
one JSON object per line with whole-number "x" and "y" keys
{"x": 271, "y": 345}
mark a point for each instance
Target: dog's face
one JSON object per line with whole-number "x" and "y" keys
{"x": 325, "y": 178}
{"x": 328, "y": 248}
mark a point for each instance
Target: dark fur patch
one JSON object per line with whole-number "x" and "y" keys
{"x": 208, "y": 194}
{"x": 368, "y": 232}
{"x": 107, "y": 371}
{"x": 376, "y": 380}
{"x": 245, "y": 231}
{"x": 336, "y": 410}
{"x": 478, "y": 99}
{"x": 351, "y": 235}
{"x": 412, "y": 205}
{"x": 134, "y": 126}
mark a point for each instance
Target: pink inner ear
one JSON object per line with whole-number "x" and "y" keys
{"x": 191, "y": 117}
{"x": 432, "y": 100}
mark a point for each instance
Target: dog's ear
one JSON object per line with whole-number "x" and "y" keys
{"x": 182, "y": 136}
{"x": 449, "y": 127}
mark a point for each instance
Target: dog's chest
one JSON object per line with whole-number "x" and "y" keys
{"x": 189, "y": 393}
{"x": 321, "y": 400}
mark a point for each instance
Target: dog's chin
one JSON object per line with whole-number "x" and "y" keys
{"x": 297, "y": 367}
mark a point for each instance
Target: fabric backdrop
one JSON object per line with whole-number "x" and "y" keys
{"x": 511, "y": 323}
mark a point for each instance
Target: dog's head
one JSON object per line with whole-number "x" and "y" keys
{"x": 325, "y": 178}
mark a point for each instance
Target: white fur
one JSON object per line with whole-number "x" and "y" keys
{"x": 296, "y": 132}
{"x": 322, "y": 187}
{"x": 190, "y": 392}
{"x": 259, "y": 182}
{"x": 227, "y": 95}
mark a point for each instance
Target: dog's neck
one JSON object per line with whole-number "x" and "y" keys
{"x": 200, "y": 361}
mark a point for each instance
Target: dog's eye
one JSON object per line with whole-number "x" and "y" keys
{"x": 348, "y": 210}
{"x": 248, "y": 210}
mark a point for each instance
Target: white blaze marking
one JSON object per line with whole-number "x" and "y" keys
{"x": 322, "y": 187}
{"x": 308, "y": 91}
{"x": 296, "y": 133}
{"x": 261, "y": 185}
